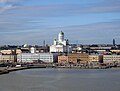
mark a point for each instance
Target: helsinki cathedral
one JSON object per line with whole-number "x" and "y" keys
{"x": 60, "y": 45}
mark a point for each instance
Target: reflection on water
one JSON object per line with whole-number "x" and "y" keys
{"x": 61, "y": 80}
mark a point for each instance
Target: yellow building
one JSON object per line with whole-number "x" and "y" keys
{"x": 83, "y": 58}
{"x": 6, "y": 51}
{"x": 8, "y": 58}
{"x": 18, "y": 51}
{"x": 95, "y": 58}
{"x": 63, "y": 59}
{"x": 117, "y": 51}
{"x": 73, "y": 58}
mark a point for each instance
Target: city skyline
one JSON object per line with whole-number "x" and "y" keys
{"x": 85, "y": 21}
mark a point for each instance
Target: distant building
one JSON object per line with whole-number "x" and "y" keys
{"x": 32, "y": 57}
{"x": 6, "y": 51}
{"x": 18, "y": 51}
{"x": 60, "y": 45}
{"x": 42, "y": 49}
{"x": 115, "y": 50}
{"x": 111, "y": 58}
{"x": 73, "y": 58}
{"x": 96, "y": 58}
{"x": 63, "y": 59}
{"x": 8, "y": 58}
{"x": 33, "y": 50}
{"x": 114, "y": 42}
{"x": 83, "y": 58}
{"x": 25, "y": 50}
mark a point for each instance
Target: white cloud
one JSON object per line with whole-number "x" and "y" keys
{"x": 7, "y": 7}
{"x": 60, "y": 10}
{"x": 9, "y": 1}
{"x": 9, "y": 4}
{"x": 65, "y": 10}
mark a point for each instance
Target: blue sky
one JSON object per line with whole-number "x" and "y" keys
{"x": 85, "y": 21}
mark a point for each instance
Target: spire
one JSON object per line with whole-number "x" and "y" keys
{"x": 113, "y": 42}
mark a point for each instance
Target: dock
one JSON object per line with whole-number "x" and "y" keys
{"x": 3, "y": 70}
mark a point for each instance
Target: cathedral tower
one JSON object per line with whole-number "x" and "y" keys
{"x": 61, "y": 37}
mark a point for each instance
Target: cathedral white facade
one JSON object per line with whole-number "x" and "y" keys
{"x": 60, "y": 45}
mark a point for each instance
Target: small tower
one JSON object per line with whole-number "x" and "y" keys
{"x": 33, "y": 50}
{"x": 44, "y": 43}
{"x": 55, "y": 42}
{"x": 61, "y": 36}
{"x": 113, "y": 42}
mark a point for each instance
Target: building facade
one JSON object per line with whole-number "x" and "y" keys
{"x": 32, "y": 57}
{"x": 83, "y": 58}
{"x": 73, "y": 58}
{"x": 96, "y": 58}
{"x": 111, "y": 58}
{"x": 8, "y": 58}
{"x": 6, "y": 51}
{"x": 63, "y": 59}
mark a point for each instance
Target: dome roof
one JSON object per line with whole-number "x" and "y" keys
{"x": 61, "y": 33}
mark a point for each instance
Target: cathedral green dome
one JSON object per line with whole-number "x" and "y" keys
{"x": 61, "y": 33}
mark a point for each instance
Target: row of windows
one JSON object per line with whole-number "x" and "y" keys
{"x": 111, "y": 59}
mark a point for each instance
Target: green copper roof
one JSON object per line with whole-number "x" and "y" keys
{"x": 61, "y": 33}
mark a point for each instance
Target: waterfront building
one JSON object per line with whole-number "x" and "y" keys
{"x": 70, "y": 58}
{"x": 60, "y": 45}
{"x": 63, "y": 59}
{"x": 8, "y": 58}
{"x": 83, "y": 58}
{"x": 35, "y": 57}
{"x": 111, "y": 58}
{"x": 73, "y": 58}
{"x": 95, "y": 58}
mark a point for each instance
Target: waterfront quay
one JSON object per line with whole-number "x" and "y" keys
{"x": 88, "y": 66}
{"x": 5, "y": 70}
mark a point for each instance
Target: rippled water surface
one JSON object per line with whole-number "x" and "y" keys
{"x": 50, "y": 79}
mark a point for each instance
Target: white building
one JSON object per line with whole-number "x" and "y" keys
{"x": 111, "y": 58}
{"x": 33, "y": 50}
{"x": 31, "y": 57}
{"x": 60, "y": 45}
